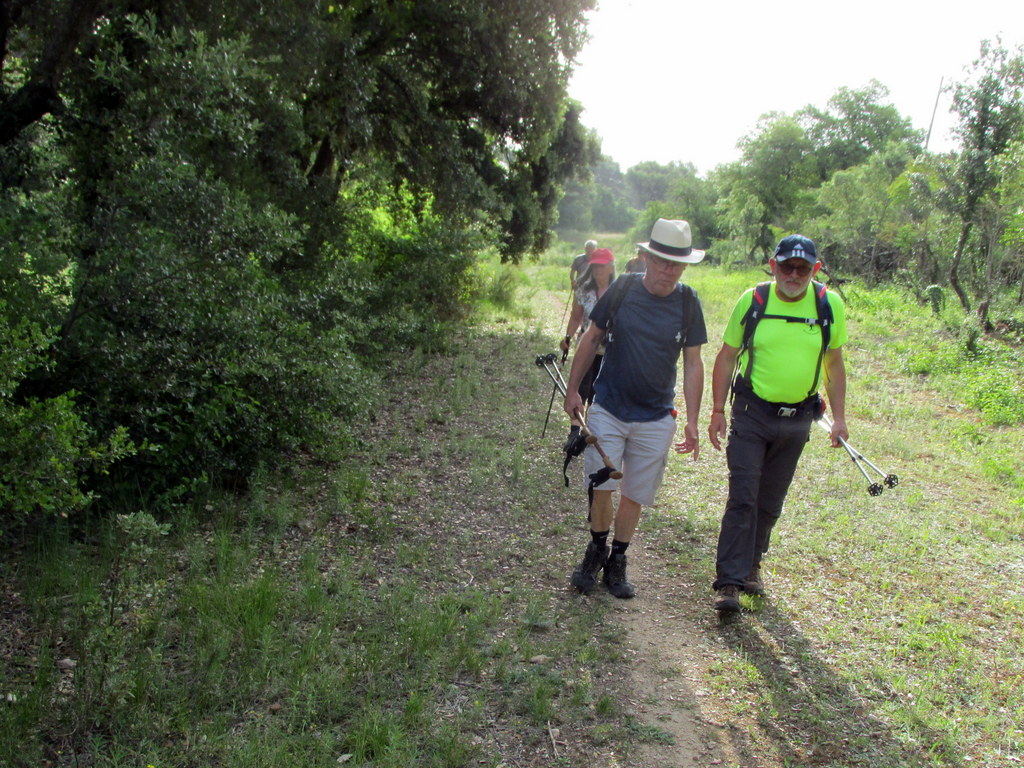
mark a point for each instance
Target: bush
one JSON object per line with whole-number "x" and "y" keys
{"x": 997, "y": 392}
{"x": 48, "y": 450}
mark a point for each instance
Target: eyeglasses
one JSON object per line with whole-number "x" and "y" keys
{"x": 803, "y": 269}
{"x": 664, "y": 264}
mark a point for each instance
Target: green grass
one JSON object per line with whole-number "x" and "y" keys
{"x": 890, "y": 614}
{"x": 408, "y": 606}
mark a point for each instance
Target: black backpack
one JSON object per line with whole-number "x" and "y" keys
{"x": 756, "y": 312}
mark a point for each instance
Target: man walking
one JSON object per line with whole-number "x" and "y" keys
{"x": 797, "y": 336}
{"x": 644, "y": 321}
{"x": 580, "y": 262}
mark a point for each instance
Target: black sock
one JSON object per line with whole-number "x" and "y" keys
{"x": 619, "y": 547}
{"x": 600, "y": 539}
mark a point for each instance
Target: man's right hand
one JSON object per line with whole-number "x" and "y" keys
{"x": 573, "y": 405}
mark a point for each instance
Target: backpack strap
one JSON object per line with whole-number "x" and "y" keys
{"x": 756, "y": 312}
{"x": 825, "y": 319}
{"x": 619, "y": 290}
{"x": 686, "y": 297}
{"x": 753, "y": 315}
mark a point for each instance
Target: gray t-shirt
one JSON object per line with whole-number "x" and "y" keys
{"x": 637, "y": 381}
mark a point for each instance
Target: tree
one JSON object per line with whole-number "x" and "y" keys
{"x": 221, "y": 212}
{"x": 855, "y": 125}
{"x": 762, "y": 190}
{"x": 600, "y": 203}
{"x": 54, "y": 32}
{"x": 612, "y": 211}
{"x": 990, "y": 107}
{"x": 1008, "y": 200}
{"x": 464, "y": 101}
{"x": 650, "y": 181}
{"x": 861, "y": 216}
{"x": 921, "y": 229}
{"x": 694, "y": 198}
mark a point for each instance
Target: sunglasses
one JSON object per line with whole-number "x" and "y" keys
{"x": 803, "y": 269}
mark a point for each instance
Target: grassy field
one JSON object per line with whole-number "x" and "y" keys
{"x": 409, "y": 606}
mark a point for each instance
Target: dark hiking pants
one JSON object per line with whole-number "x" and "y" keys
{"x": 762, "y": 453}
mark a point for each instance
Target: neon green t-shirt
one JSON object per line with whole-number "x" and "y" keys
{"x": 785, "y": 354}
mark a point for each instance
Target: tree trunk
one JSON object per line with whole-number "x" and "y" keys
{"x": 954, "y": 267}
{"x": 994, "y": 232}
{"x": 40, "y": 94}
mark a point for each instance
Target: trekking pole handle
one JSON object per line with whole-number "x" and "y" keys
{"x": 592, "y": 440}
{"x": 547, "y": 363}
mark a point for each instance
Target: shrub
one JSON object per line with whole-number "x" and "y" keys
{"x": 48, "y": 450}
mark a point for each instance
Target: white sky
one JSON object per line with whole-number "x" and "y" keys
{"x": 674, "y": 80}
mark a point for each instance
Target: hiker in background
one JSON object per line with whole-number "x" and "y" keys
{"x": 579, "y": 262}
{"x": 775, "y": 402}
{"x": 645, "y": 322}
{"x": 636, "y": 264}
{"x": 591, "y": 285}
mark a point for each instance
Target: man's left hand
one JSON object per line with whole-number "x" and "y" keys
{"x": 691, "y": 443}
{"x": 838, "y": 431}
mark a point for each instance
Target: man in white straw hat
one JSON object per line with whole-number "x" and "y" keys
{"x": 644, "y": 322}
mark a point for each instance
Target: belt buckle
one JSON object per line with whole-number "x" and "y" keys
{"x": 787, "y": 413}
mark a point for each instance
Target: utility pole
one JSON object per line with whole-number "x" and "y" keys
{"x": 935, "y": 108}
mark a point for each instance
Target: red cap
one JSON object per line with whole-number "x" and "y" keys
{"x": 601, "y": 256}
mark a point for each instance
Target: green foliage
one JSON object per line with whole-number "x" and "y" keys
{"x": 234, "y": 217}
{"x": 180, "y": 329}
{"x": 991, "y": 118}
{"x": 970, "y": 333}
{"x": 862, "y": 220}
{"x": 47, "y": 449}
{"x": 856, "y": 125}
{"x": 996, "y": 391}
{"x": 763, "y": 190}
{"x": 973, "y": 366}
{"x": 936, "y": 298}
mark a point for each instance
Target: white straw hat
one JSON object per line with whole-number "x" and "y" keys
{"x": 670, "y": 239}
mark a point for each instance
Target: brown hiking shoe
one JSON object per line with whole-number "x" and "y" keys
{"x": 753, "y": 585}
{"x": 727, "y": 599}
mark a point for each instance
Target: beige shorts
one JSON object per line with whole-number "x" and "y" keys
{"x": 638, "y": 448}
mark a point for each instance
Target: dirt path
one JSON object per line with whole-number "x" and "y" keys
{"x": 671, "y": 638}
{"x": 669, "y": 648}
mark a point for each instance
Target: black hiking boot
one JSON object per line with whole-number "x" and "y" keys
{"x": 727, "y": 599}
{"x": 584, "y": 578}
{"x": 615, "y": 577}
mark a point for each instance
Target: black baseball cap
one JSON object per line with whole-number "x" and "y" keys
{"x": 796, "y": 246}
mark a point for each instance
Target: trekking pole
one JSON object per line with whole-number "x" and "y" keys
{"x": 874, "y": 489}
{"x": 592, "y": 440}
{"x": 544, "y": 361}
{"x": 547, "y": 362}
{"x": 890, "y": 480}
{"x": 568, "y": 301}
